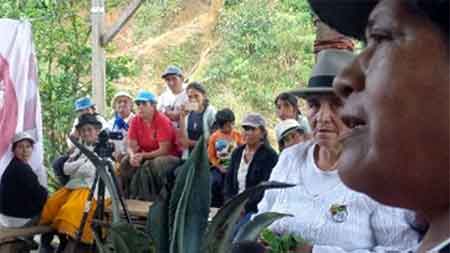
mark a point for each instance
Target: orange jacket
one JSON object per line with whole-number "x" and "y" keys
{"x": 234, "y": 136}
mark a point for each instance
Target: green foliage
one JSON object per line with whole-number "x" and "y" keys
{"x": 281, "y": 244}
{"x": 267, "y": 48}
{"x": 61, "y": 37}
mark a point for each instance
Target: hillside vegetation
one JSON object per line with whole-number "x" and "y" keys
{"x": 245, "y": 52}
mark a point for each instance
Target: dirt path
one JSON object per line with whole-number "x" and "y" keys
{"x": 196, "y": 18}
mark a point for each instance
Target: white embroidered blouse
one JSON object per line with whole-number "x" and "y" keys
{"x": 331, "y": 216}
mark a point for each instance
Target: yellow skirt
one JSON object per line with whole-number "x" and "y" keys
{"x": 64, "y": 211}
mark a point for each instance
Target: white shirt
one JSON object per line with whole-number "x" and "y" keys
{"x": 364, "y": 226}
{"x": 120, "y": 146}
{"x": 168, "y": 101}
{"x": 242, "y": 172}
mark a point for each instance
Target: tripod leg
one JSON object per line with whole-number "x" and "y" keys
{"x": 119, "y": 192}
{"x": 87, "y": 207}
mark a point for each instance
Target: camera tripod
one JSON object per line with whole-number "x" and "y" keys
{"x": 104, "y": 168}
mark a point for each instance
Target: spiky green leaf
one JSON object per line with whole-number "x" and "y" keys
{"x": 253, "y": 228}
{"x": 218, "y": 238}
{"x": 189, "y": 204}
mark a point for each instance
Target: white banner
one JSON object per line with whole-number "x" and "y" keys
{"x": 20, "y": 107}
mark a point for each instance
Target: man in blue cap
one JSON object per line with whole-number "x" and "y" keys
{"x": 84, "y": 105}
{"x": 171, "y": 100}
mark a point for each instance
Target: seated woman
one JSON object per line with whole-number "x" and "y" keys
{"x": 197, "y": 117}
{"x": 287, "y": 108}
{"x": 251, "y": 163}
{"x": 396, "y": 102}
{"x": 22, "y": 197}
{"x": 64, "y": 209}
{"x": 326, "y": 213}
{"x": 152, "y": 150}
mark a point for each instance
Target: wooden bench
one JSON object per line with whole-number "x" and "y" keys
{"x": 9, "y": 234}
{"x": 8, "y": 237}
{"x": 138, "y": 209}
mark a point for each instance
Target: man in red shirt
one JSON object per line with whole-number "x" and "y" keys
{"x": 152, "y": 150}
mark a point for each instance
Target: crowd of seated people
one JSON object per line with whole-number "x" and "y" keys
{"x": 154, "y": 135}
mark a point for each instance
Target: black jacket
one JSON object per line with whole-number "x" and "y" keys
{"x": 259, "y": 170}
{"x": 21, "y": 195}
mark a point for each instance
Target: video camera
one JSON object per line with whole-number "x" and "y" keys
{"x": 103, "y": 147}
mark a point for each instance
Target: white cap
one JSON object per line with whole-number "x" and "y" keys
{"x": 285, "y": 127}
{"x": 121, "y": 94}
{"x": 23, "y": 136}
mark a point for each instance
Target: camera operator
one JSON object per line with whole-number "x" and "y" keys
{"x": 64, "y": 209}
{"x": 122, "y": 104}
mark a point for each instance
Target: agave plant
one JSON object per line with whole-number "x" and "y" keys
{"x": 178, "y": 220}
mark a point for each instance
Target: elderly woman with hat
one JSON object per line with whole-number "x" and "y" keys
{"x": 64, "y": 209}
{"x": 122, "y": 104}
{"x": 327, "y": 214}
{"x": 396, "y": 102}
{"x": 21, "y": 195}
{"x": 152, "y": 150}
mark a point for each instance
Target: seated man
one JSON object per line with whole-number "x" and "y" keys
{"x": 84, "y": 105}
{"x": 175, "y": 95}
{"x": 22, "y": 197}
{"x": 152, "y": 152}
{"x": 122, "y": 104}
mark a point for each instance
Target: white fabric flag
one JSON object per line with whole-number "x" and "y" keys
{"x": 20, "y": 107}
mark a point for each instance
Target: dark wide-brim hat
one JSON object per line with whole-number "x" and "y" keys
{"x": 330, "y": 63}
{"x": 350, "y": 17}
{"x": 88, "y": 119}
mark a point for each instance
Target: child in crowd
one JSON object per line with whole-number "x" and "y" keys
{"x": 289, "y": 132}
{"x": 221, "y": 144}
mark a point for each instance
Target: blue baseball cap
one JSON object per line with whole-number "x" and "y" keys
{"x": 83, "y": 103}
{"x": 145, "y": 96}
{"x": 172, "y": 70}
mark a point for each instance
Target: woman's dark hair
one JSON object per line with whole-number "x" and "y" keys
{"x": 197, "y": 86}
{"x": 224, "y": 116}
{"x": 290, "y": 98}
{"x": 200, "y": 88}
{"x": 265, "y": 139}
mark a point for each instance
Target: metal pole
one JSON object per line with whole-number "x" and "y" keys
{"x": 98, "y": 55}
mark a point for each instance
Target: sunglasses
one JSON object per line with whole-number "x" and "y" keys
{"x": 138, "y": 103}
{"x": 248, "y": 128}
